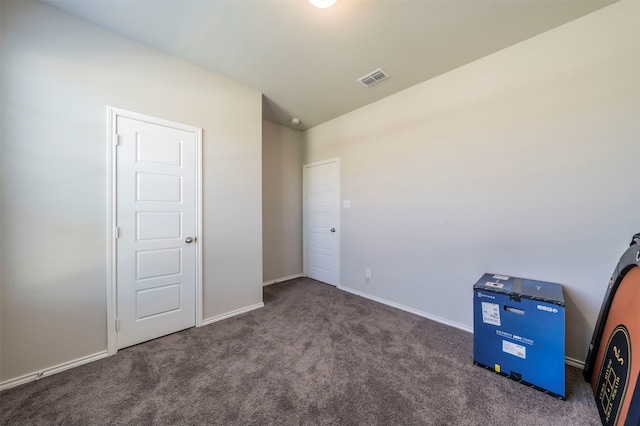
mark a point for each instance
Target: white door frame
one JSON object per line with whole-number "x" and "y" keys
{"x": 305, "y": 255}
{"x": 112, "y": 142}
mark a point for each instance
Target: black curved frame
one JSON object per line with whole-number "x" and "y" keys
{"x": 629, "y": 259}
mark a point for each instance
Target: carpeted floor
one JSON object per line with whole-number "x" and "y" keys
{"x": 314, "y": 355}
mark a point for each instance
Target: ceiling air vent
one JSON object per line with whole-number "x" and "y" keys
{"x": 373, "y": 77}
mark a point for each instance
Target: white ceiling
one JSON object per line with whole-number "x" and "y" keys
{"x": 306, "y": 60}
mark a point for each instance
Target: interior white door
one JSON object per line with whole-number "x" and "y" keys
{"x": 156, "y": 225}
{"x": 321, "y": 196}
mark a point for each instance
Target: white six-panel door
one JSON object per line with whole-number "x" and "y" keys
{"x": 156, "y": 219}
{"x": 320, "y": 221}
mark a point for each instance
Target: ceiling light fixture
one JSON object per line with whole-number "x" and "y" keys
{"x": 322, "y": 4}
{"x": 295, "y": 121}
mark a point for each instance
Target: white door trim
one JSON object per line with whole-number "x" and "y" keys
{"x": 112, "y": 140}
{"x": 305, "y": 167}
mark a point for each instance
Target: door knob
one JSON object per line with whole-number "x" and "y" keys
{"x": 333, "y": 229}
{"x": 189, "y": 240}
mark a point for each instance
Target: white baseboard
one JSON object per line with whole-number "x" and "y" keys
{"x": 51, "y": 370}
{"x": 574, "y": 362}
{"x": 97, "y": 356}
{"x": 567, "y": 360}
{"x": 408, "y": 309}
{"x": 279, "y": 280}
{"x": 217, "y": 318}
{"x": 90, "y": 358}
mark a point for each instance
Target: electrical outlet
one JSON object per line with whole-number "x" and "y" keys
{"x": 367, "y": 273}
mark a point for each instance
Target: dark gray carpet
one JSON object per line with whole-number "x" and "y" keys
{"x": 312, "y": 355}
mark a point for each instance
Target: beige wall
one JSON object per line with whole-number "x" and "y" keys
{"x": 281, "y": 201}
{"x": 58, "y": 76}
{"x": 522, "y": 163}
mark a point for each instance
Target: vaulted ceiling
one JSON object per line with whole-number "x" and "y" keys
{"x": 306, "y": 61}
